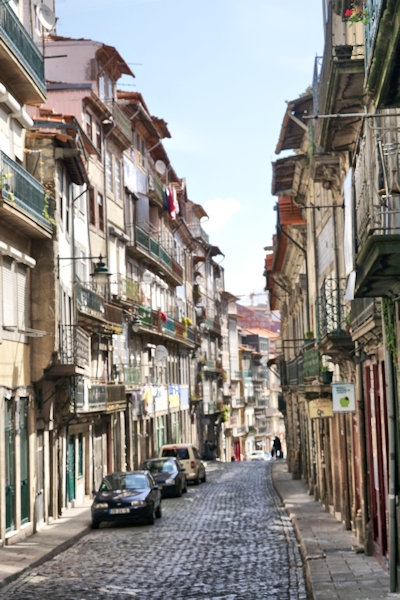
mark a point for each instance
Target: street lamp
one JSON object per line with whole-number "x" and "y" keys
{"x": 100, "y": 273}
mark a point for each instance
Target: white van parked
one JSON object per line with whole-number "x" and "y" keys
{"x": 189, "y": 456}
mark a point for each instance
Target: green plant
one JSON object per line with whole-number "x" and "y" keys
{"x": 357, "y": 14}
{"x": 4, "y": 185}
{"x": 225, "y": 413}
{"x": 309, "y": 335}
{"x": 324, "y": 368}
{"x": 389, "y": 319}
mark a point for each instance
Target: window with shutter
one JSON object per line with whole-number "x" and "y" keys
{"x": 9, "y": 304}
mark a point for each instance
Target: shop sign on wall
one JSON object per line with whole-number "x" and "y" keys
{"x": 321, "y": 407}
{"x": 343, "y": 397}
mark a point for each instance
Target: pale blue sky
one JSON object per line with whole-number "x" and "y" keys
{"x": 219, "y": 72}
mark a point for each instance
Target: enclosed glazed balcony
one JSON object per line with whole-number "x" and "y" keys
{"x": 22, "y": 65}
{"x": 23, "y": 202}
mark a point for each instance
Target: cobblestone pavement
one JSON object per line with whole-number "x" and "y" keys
{"x": 227, "y": 539}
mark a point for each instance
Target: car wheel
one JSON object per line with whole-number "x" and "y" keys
{"x": 185, "y": 488}
{"x": 152, "y": 516}
{"x": 95, "y": 524}
{"x": 204, "y": 479}
{"x": 179, "y": 490}
{"x": 159, "y": 511}
{"x": 197, "y": 480}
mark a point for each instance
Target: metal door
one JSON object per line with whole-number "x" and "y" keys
{"x": 24, "y": 458}
{"x": 39, "y": 505}
{"x": 71, "y": 469}
{"x": 9, "y": 466}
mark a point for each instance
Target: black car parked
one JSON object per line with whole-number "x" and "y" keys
{"x": 169, "y": 474}
{"x": 130, "y": 496}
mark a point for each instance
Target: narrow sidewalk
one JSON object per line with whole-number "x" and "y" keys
{"x": 334, "y": 570}
{"x": 43, "y": 545}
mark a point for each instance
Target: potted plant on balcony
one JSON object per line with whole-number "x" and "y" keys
{"x": 308, "y": 337}
{"x": 326, "y": 374}
{"x": 357, "y": 13}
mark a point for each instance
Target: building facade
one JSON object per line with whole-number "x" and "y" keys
{"x": 331, "y": 273}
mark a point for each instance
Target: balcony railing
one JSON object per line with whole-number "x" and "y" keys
{"x": 155, "y": 189}
{"x": 20, "y": 188}
{"x": 122, "y": 122}
{"x": 89, "y": 302}
{"x": 331, "y": 77}
{"x": 237, "y": 402}
{"x": 132, "y": 375}
{"x": 107, "y": 397}
{"x": 364, "y": 310}
{"x": 74, "y": 346}
{"x": 152, "y": 248}
{"x": 334, "y": 310}
{"x": 100, "y": 397}
{"x": 15, "y": 40}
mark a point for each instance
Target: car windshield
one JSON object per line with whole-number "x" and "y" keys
{"x": 181, "y": 453}
{"x": 160, "y": 466}
{"x": 124, "y": 481}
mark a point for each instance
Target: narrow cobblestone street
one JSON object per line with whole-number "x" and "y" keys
{"x": 227, "y": 539}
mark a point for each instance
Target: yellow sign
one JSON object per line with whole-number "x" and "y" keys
{"x": 322, "y": 407}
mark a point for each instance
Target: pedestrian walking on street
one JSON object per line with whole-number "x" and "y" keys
{"x": 277, "y": 448}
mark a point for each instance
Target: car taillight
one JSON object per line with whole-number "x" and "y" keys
{"x": 192, "y": 464}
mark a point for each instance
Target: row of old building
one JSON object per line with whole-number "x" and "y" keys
{"x": 334, "y": 274}
{"x": 116, "y": 332}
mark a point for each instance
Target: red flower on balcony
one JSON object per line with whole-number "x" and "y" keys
{"x": 163, "y": 316}
{"x": 357, "y": 13}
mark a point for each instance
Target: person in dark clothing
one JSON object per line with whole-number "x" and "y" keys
{"x": 277, "y": 448}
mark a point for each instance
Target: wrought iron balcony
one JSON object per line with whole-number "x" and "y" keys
{"x": 74, "y": 346}
{"x": 132, "y": 376}
{"x": 94, "y": 311}
{"x": 155, "y": 189}
{"x": 150, "y": 250}
{"x": 22, "y": 197}
{"x": 366, "y": 319}
{"x": 383, "y": 72}
{"x": 378, "y": 260}
{"x": 333, "y": 320}
{"x": 338, "y": 89}
{"x": 100, "y": 397}
{"x": 123, "y": 126}
{"x": 106, "y": 397}
{"x": 22, "y": 65}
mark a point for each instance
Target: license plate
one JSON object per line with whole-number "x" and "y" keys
{"x": 119, "y": 511}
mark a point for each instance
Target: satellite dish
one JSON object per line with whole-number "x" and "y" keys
{"x": 160, "y": 167}
{"x": 161, "y": 353}
{"x": 46, "y": 17}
